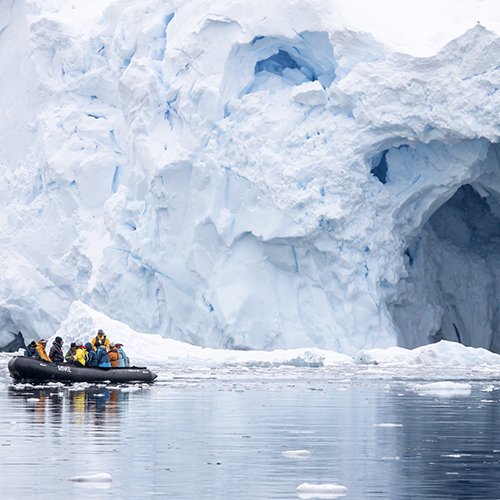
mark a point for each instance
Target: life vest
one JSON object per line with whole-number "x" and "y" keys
{"x": 97, "y": 342}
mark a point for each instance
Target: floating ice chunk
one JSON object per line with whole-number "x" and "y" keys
{"x": 297, "y": 454}
{"x": 306, "y": 490}
{"x": 490, "y": 388}
{"x": 377, "y": 356}
{"x": 310, "y": 94}
{"x": 443, "y": 353}
{"x": 444, "y": 389}
{"x": 102, "y": 477}
{"x": 388, "y": 425}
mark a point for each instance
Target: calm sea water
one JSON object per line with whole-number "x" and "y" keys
{"x": 219, "y": 436}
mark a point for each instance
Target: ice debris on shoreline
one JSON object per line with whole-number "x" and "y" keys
{"x": 154, "y": 350}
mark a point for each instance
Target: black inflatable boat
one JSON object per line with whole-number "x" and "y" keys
{"x": 33, "y": 370}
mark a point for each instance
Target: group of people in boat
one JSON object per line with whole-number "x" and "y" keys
{"x": 100, "y": 352}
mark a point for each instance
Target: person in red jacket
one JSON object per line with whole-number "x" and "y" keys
{"x": 114, "y": 355}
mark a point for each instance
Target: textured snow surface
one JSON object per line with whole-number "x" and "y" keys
{"x": 285, "y": 175}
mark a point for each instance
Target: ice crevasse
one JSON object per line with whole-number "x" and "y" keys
{"x": 247, "y": 177}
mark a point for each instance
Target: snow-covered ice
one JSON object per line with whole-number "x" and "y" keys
{"x": 307, "y": 490}
{"x": 154, "y": 350}
{"x": 320, "y": 180}
{"x": 444, "y": 389}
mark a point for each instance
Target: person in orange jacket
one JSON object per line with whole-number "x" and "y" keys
{"x": 114, "y": 355}
{"x": 40, "y": 347}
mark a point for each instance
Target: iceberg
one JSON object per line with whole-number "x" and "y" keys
{"x": 281, "y": 177}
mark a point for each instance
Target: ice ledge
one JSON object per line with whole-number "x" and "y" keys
{"x": 310, "y": 94}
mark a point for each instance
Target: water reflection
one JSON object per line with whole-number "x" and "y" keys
{"x": 98, "y": 406}
{"x": 225, "y": 440}
{"x": 450, "y": 449}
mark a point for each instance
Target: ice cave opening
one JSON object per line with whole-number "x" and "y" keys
{"x": 281, "y": 70}
{"x": 452, "y": 290}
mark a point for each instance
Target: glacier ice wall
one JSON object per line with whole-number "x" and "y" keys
{"x": 246, "y": 177}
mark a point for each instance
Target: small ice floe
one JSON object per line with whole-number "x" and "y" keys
{"x": 444, "y": 389}
{"x": 388, "y": 425}
{"x": 306, "y": 490}
{"x": 297, "y": 454}
{"x": 103, "y": 477}
{"x": 131, "y": 389}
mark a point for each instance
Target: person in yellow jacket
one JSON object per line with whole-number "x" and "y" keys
{"x": 40, "y": 347}
{"x": 99, "y": 340}
{"x": 80, "y": 356}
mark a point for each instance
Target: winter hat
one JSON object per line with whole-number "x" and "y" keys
{"x": 100, "y": 331}
{"x": 73, "y": 344}
{"x": 111, "y": 345}
{"x": 88, "y": 346}
{"x": 58, "y": 340}
{"x": 119, "y": 345}
{"x": 32, "y": 344}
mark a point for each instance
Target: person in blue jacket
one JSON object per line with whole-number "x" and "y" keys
{"x": 31, "y": 351}
{"x": 92, "y": 360}
{"x": 123, "y": 362}
{"x": 102, "y": 357}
